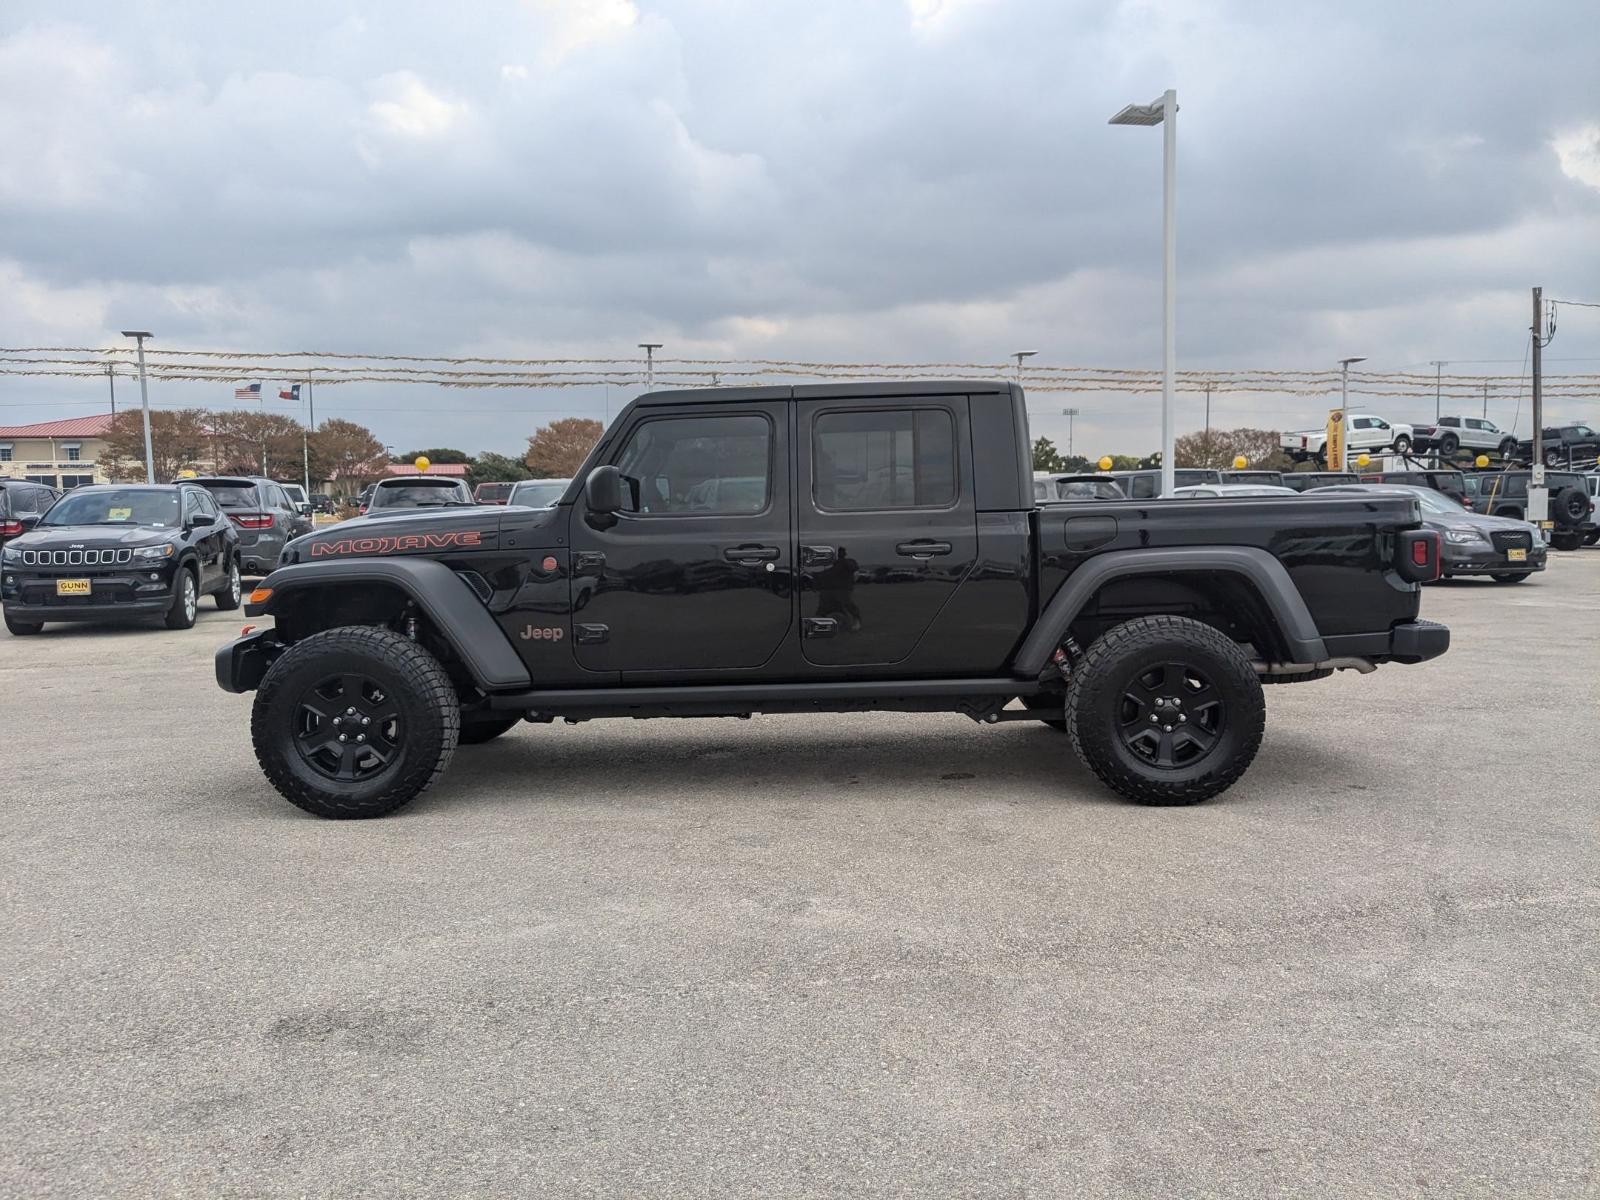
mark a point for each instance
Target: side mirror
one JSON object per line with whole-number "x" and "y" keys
{"x": 602, "y": 491}
{"x": 202, "y": 519}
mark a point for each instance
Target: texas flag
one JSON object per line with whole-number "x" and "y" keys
{"x": 290, "y": 393}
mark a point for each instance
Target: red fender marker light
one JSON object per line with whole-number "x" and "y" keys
{"x": 549, "y": 563}
{"x": 247, "y": 630}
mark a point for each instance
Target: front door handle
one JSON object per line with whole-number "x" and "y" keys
{"x": 923, "y": 549}
{"x": 751, "y": 554}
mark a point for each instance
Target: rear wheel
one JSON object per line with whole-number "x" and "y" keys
{"x": 354, "y": 722}
{"x": 1402, "y": 444}
{"x": 185, "y": 601}
{"x": 1449, "y": 444}
{"x": 232, "y": 591}
{"x": 1508, "y": 448}
{"x": 1165, "y": 710}
{"x": 22, "y": 628}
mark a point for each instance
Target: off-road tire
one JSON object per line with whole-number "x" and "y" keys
{"x": 1051, "y": 707}
{"x": 1508, "y": 448}
{"x": 1108, "y": 671}
{"x": 429, "y": 713}
{"x": 232, "y": 591}
{"x": 1569, "y": 506}
{"x": 1565, "y": 539}
{"x": 185, "y": 601}
{"x": 22, "y": 628}
{"x": 476, "y": 730}
{"x": 1511, "y": 576}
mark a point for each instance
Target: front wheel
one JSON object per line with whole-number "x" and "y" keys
{"x": 1165, "y": 710}
{"x": 1552, "y": 458}
{"x": 354, "y": 722}
{"x": 185, "y": 601}
{"x": 1508, "y": 448}
{"x": 1510, "y": 577}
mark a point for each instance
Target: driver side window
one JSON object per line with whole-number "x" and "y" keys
{"x": 699, "y": 465}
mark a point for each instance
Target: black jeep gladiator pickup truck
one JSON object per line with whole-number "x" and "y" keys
{"x": 830, "y": 548}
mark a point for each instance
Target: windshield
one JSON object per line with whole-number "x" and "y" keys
{"x": 421, "y": 495}
{"x": 116, "y": 506}
{"x": 1436, "y": 503}
{"x": 538, "y": 495}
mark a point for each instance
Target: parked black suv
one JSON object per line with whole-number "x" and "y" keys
{"x": 116, "y": 551}
{"x": 266, "y": 517}
{"x": 1449, "y": 481}
{"x": 824, "y": 548}
{"x": 1505, "y": 494}
{"x": 21, "y": 505}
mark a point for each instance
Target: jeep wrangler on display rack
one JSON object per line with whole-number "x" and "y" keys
{"x": 808, "y": 549}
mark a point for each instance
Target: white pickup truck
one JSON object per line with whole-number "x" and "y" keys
{"x": 1362, "y": 432}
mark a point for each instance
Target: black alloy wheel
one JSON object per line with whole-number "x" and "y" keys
{"x": 1449, "y": 444}
{"x": 1165, "y": 710}
{"x": 347, "y": 728}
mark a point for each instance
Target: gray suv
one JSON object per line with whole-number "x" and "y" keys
{"x": 266, "y": 518}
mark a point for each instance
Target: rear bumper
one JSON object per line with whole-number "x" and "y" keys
{"x": 1418, "y": 641}
{"x": 243, "y": 662}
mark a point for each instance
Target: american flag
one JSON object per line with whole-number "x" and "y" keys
{"x": 253, "y": 392}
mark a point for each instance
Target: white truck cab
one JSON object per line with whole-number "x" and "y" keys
{"x": 1362, "y": 432}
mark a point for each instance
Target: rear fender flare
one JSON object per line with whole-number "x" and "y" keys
{"x": 449, "y": 604}
{"x": 1258, "y": 568}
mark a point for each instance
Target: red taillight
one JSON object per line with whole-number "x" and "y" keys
{"x": 251, "y": 520}
{"x": 1419, "y": 552}
{"x": 10, "y": 528}
{"x": 1419, "y": 559}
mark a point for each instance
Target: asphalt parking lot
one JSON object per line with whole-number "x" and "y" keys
{"x": 892, "y": 956}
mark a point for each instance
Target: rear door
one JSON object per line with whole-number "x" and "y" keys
{"x": 887, "y": 523}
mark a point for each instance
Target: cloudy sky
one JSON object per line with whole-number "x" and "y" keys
{"x": 852, "y": 180}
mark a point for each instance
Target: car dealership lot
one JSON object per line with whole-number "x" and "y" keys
{"x": 838, "y": 955}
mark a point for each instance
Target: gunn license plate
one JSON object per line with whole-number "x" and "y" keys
{"x": 1517, "y": 555}
{"x": 72, "y": 587}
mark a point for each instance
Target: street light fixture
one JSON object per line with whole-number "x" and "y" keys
{"x": 649, "y": 349}
{"x": 139, "y": 335}
{"x": 1069, "y": 414}
{"x": 1019, "y": 355}
{"x": 1165, "y": 112}
{"x": 1344, "y": 381}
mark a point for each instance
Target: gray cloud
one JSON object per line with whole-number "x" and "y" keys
{"x": 792, "y": 179}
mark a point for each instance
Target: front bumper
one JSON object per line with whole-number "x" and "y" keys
{"x": 1489, "y": 561}
{"x": 113, "y": 595}
{"x": 243, "y": 662}
{"x": 1418, "y": 641}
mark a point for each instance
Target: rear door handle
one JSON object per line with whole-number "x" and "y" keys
{"x": 923, "y": 549}
{"x": 751, "y": 554}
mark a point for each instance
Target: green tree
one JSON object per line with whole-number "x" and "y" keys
{"x": 1046, "y": 457}
{"x": 439, "y": 454}
{"x": 345, "y": 451}
{"x": 490, "y": 467}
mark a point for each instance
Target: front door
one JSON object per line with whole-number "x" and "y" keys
{"x": 698, "y": 576}
{"x": 887, "y": 523}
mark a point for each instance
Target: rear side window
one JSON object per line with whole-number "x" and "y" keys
{"x": 1144, "y": 487}
{"x": 899, "y": 458}
{"x": 700, "y": 465}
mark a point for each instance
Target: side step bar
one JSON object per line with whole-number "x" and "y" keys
{"x": 752, "y": 696}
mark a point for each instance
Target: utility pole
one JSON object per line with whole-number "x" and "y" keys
{"x": 649, "y": 349}
{"x": 1208, "y": 408}
{"x": 1069, "y": 414}
{"x": 111, "y": 378}
{"x": 306, "y": 432}
{"x": 139, "y": 335}
{"x": 1438, "y": 381}
{"x": 1538, "y": 496}
{"x": 1485, "y": 399}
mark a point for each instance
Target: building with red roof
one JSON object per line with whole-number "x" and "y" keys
{"x": 63, "y": 454}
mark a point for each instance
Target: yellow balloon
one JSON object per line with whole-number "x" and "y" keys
{"x": 1481, "y": 461}
{"x": 1363, "y": 460}
{"x": 1105, "y": 462}
{"x": 1240, "y": 462}
{"x": 423, "y": 462}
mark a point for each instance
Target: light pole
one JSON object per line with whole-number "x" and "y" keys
{"x": 139, "y": 335}
{"x": 649, "y": 349}
{"x": 1344, "y": 381}
{"x": 1069, "y": 414}
{"x": 1019, "y": 355}
{"x": 1438, "y": 383}
{"x": 1165, "y": 112}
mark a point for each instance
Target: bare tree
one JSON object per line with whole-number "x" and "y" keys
{"x": 558, "y": 449}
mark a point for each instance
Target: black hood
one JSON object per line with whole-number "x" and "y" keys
{"x": 91, "y": 537}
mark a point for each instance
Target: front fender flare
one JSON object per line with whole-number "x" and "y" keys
{"x": 453, "y": 607}
{"x": 1265, "y": 573}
